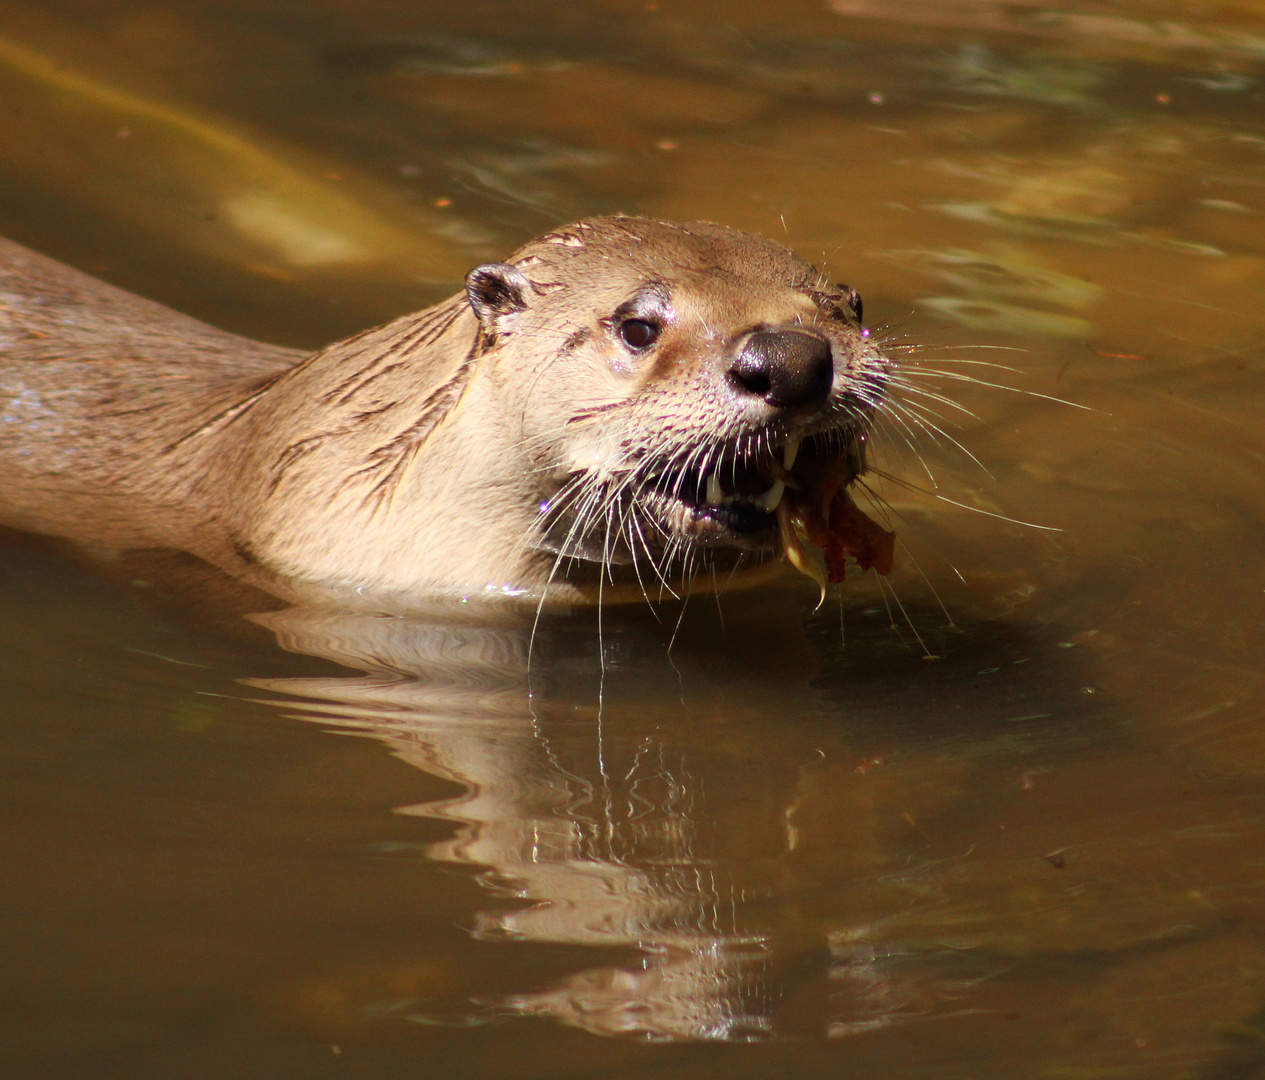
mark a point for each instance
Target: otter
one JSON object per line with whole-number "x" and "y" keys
{"x": 620, "y": 405}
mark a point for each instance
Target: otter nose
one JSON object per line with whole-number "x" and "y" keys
{"x": 787, "y": 368}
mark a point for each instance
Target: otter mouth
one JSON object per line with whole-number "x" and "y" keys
{"x": 790, "y": 499}
{"x": 733, "y": 501}
{"x": 793, "y": 498}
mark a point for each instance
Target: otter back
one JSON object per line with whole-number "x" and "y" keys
{"x": 96, "y": 385}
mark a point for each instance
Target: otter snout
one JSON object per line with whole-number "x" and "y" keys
{"x": 787, "y": 369}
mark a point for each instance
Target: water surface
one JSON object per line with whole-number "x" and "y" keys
{"x": 1003, "y": 818}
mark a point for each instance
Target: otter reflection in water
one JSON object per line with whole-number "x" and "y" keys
{"x": 674, "y": 828}
{"x": 624, "y": 404}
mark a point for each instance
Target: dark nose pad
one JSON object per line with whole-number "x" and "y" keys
{"x": 787, "y": 368}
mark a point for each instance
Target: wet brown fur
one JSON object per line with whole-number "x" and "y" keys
{"x": 413, "y": 456}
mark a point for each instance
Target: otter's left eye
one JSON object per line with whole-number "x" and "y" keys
{"x": 638, "y": 333}
{"x": 853, "y": 299}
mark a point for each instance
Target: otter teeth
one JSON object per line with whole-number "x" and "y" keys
{"x": 715, "y": 493}
{"x": 790, "y": 449}
{"x": 772, "y": 497}
{"x": 767, "y": 501}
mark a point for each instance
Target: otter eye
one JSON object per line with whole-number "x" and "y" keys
{"x": 844, "y": 305}
{"x": 638, "y": 333}
{"x": 853, "y": 299}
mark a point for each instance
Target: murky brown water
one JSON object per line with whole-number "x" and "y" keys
{"x": 790, "y": 844}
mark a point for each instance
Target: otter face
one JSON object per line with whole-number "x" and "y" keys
{"x": 677, "y": 389}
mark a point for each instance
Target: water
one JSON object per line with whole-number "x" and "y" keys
{"x": 760, "y": 841}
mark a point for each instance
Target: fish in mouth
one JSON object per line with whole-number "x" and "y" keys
{"x": 793, "y": 500}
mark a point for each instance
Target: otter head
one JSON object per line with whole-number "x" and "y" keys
{"x": 683, "y": 394}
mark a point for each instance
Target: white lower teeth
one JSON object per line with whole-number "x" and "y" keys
{"x": 766, "y": 501}
{"x": 769, "y": 500}
{"x": 715, "y": 493}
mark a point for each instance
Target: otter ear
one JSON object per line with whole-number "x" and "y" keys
{"x": 496, "y": 291}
